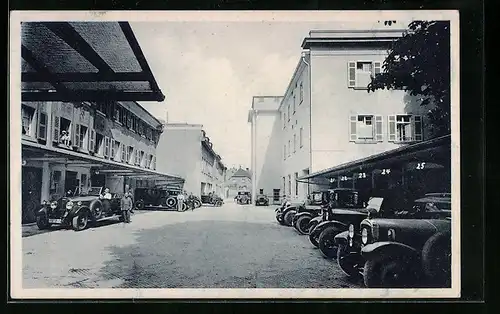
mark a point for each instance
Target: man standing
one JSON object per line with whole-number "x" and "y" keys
{"x": 180, "y": 201}
{"x": 129, "y": 191}
{"x": 126, "y": 206}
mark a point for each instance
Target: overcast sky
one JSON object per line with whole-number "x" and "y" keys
{"x": 209, "y": 72}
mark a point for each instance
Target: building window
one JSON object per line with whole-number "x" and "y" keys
{"x": 296, "y": 184}
{"x": 123, "y": 151}
{"x": 365, "y": 128}
{"x": 289, "y": 114}
{"x": 301, "y": 92}
{"x": 405, "y": 128}
{"x": 284, "y": 119}
{"x": 360, "y": 73}
{"x": 129, "y": 120}
{"x": 141, "y": 158}
{"x": 42, "y": 126}
{"x": 130, "y": 154}
{"x": 28, "y": 115}
{"x": 261, "y": 191}
{"x": 81, "y": 136}
{"x": 107, "y": 146}
{"x": 284, "y": 152}
{"x": 99, "y": 144}
{"x": 65, "y": 135}
{"x": 289, "y": 185}
{"x": 289, "y": 148}
{"x": 294, "y": 143}
{"x": 123, "y": 117}
{"x": 154, "y": 162}
{"x": 294, "y": 103}
{"x": 118, "y": 113}
{"x": 101, "y": 107}
{"x": 301, "y": 139}
{"x": 284, "y": 185}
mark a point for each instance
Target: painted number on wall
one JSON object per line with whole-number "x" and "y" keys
{"x": 361, "y": 175}
{"x": 420, "y": 165}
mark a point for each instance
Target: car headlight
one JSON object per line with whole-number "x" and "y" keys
{"x": 391, "y": 235}
{"x": 44, "y": 202}
{"x": 79, "y": 203}
{"x": 69, "y": 205}
{"x": 53, "y": 205}
{"x": 351, "y": 231}
{"x": 364, "y": 236}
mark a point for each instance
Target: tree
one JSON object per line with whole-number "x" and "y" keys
{"x": 419, "y": 63}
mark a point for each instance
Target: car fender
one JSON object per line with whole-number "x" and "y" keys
{"x": 289, "y": 208}
{"x": 298, "y": 215}
{"x": 342, "y": 238}
{"x": 42, "y": 211}
{"x": 379, "y": 250}
{"x": 317, "y": 219}
{"x": 80, "y": 209}
{"x": 323, "y": 225}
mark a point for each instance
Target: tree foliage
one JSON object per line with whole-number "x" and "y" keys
{"x": 419, "y": 63}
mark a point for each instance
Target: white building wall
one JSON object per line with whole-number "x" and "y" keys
{"x": 179, "y": 153}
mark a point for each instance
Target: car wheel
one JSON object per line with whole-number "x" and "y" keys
{"x": 313, "y": 238}
{"x": 139, "y": 204}
{"x": 80, "y": 221}
{"x": 197, "y": 203}
{"x": 387, "y": 273}
{"x": 302, "y": 223}
{"x": 42, "y": 222}
{"x": 436, "y": 259}
{"x": 311, "y": 226}
{"x": 326, "y": 242}
{"x": 184, "y": 207}
{"x": 287, "y": 219}
{"x": 171, "y": 202}
{"x": 345, "y": 263}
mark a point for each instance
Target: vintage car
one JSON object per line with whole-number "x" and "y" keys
{"x": 244, "y": 198}
{"x": 156, "y": 198}
{"x": 80, "y": 209}
{"x": 214, "y": 200}
{"x": 345, "y": 207}
{"x": 316, "y": 201}
{"x": 285, "y": 214}
{"x": 262, "y": 199}
{"x": 404, "y": 247}
{"x": 278, "y": 210}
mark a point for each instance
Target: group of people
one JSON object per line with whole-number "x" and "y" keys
{"x": 126, "y": 202}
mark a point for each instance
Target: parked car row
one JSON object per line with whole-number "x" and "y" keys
{"x": 82, "y": 208}
{"x": 388, "y": 241}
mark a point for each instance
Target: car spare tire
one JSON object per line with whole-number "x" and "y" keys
{"x": 139, "y": 204}
{"x": 171, "y": 201}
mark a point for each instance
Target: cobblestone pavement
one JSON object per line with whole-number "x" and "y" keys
{"x": 234, "y": 246}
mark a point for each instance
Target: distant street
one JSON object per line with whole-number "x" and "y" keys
{"x": 234, "y": 246}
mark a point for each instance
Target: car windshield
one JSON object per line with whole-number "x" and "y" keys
{"x": 436, "y": 206}
{"x": 375, "y": 203}
{"x": 90, "y": 191}
{"x": 348, "y": 199}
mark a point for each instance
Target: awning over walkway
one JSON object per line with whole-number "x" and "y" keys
{"x": 36, "y": 152}
{"x": 84, "y": 61}
{"x": 435, "y": 153}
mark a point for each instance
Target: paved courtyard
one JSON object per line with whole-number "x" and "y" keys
{"x": 233, "y": 246}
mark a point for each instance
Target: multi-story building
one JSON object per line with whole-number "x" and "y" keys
{"x": 327, "y": 117}
{"x": 239, "y": 180}
{"x": 72, "y": 145}
{"x": 187, "y": 152}
{"x": 267, "y": 166}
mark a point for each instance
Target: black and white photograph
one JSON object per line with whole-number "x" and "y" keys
{"x": 242, "y": 154}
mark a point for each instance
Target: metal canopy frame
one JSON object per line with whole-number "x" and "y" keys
{"x": 37, "y": 152}
{"x": 439, "y": 148}
{"x": 75, "y": 44}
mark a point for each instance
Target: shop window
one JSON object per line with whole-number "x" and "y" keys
{"x": 365, "y": 128}
{"x": 42, "y": 126}
{"x": 405, "y": 128}
{"x": 28, "y": 115}
{"x": 360, "y": 73}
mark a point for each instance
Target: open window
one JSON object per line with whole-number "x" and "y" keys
{"x": 115, "y": 150}
{"x": 28, "y": 115}
{"x": 65, "y": 132}
{"x": 130, "y": 152}
{"x": 99, "y": 144}
{"x": 81, "y": 136}
{"x": 366, "y": 128}
{"x": 42, "y": 126}
{"x": 359, "y": 73}
{"x": 405, "y": 128}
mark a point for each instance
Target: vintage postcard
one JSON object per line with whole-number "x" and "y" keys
{"x": 236, "y": 154}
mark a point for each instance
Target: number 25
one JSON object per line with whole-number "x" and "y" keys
{"x": 421, "y": 165}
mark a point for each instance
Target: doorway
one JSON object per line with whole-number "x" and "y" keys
{"x": 31, "y": 193}
{"x": 71, "y": 182}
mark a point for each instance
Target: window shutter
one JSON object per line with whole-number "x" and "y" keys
{"x": 55, "y": 128}
{"x": 76, "y": 135}
{"x": 377, "y": 68}
{"x": 379, "y": 135}
{"x": 154, "y": 162}
{"x": 106, "y": 146}
{"x": 351, "y": 74}
{"x": 392, "y": 128}
{"x": 113, "y": 149}
{"x": 417, "y": 128}
{"x": 123, "y": 152}
{"x": 353, "y": 136}
{"x": 92, "y": 140}
{"x": 42, "y": 126}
